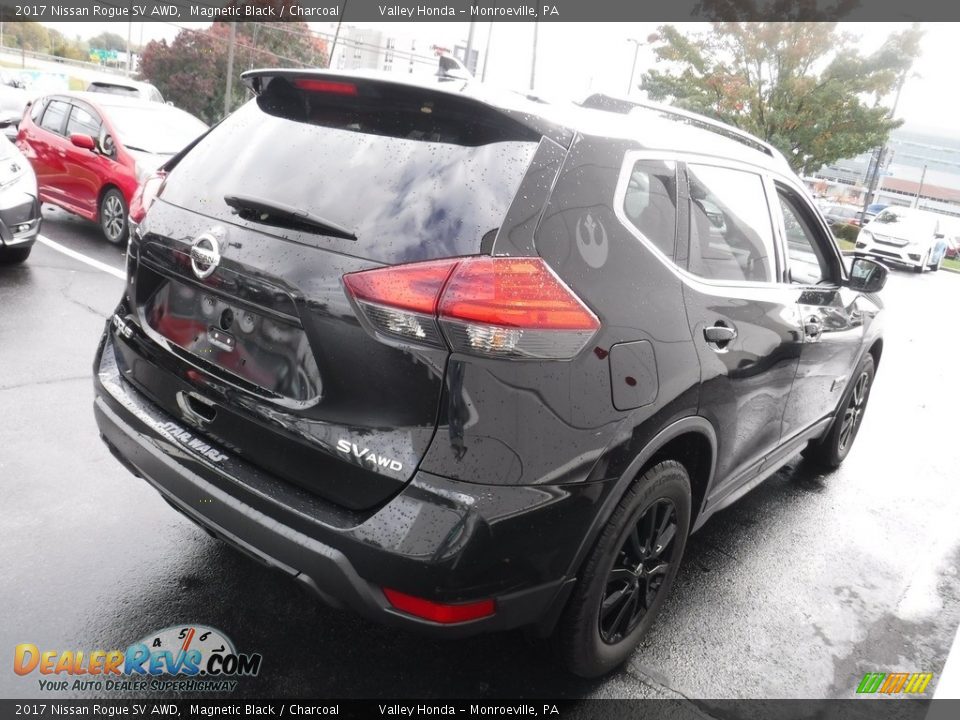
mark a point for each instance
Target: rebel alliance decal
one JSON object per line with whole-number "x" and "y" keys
{"x": 352, "y": 449}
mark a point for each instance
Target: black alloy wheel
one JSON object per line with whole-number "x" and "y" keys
{"x": 642, "y": 565}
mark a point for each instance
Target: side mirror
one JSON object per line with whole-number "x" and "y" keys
{"x": 83, "y": 141}
{"x": 867, "y": 276}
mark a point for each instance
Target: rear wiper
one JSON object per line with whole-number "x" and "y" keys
{"x": 270, "y": 212}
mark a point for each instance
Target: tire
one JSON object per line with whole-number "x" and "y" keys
{"x": 590, "y": 643}
{"x": 113, "y": 217}
{"x": 832, "y": 449}
{"x": 14, "y": 255}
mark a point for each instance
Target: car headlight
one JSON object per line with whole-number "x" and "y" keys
{"x": 865, "y": 236}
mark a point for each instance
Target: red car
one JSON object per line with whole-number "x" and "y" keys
{"x": 90, "y": 151}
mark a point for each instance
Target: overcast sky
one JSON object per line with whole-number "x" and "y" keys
{"x": 574, "y": 58}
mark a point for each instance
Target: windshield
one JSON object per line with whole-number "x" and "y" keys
{"x": 154, "y": 128}
{"x": 902, "y": 222}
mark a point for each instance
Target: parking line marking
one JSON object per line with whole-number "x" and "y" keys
{"x": 948, "y": 684}
{"x": 81, "y": 257}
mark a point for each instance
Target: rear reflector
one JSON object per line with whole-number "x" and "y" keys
{"x": 440, "y": 612}
{"x": 492, "y": 306}
{"x": 326, "y": 86}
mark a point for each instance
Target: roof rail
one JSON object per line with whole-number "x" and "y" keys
{"x": 601, "y": 101}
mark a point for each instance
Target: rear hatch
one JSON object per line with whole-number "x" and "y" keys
{"x": 236, "y": 278}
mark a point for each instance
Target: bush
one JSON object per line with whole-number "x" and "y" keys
{"x": 846, "y": 232}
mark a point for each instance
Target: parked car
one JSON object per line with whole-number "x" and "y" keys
{"x": 842, "y": 214}
{"x": 472, "y": 369}
{"x": 126, "y": 88}
{"x": 953, "y": 248}
{"x": 906, "y": 236}
{"x": 19, "y": 205}
{"x": 91, "y": 151}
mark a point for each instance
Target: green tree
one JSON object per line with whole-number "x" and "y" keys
{"x": 191, "y": 70}
{"x": 108, "y": 41}
{"x": 801, "y": 86}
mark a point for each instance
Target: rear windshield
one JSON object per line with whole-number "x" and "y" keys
{"x": 405, "y": 192}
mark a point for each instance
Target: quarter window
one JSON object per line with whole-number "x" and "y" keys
{"x": 54, "y": 115}
{"x": 731, "y": 235}
{"x": 805, "y": 259}
{"x": 650, "y": 203}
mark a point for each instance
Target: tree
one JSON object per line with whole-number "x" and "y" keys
{"x": 108, "y": 41}
{"x": 191, "y": 70}
{"x": 801, "y": 86}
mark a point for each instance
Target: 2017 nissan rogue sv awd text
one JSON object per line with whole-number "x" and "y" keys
{"x": 464, "y": 361}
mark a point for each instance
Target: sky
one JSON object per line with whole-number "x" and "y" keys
{"x": 576, "y": 58}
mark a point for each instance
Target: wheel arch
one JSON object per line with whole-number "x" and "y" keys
{"x": 691, "y": 441}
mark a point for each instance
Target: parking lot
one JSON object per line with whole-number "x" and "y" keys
{"x": 809, "y": 582}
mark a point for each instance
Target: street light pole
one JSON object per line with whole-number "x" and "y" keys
{"x": 651, "y": 38}
{"x": 228, "y": 94}
{"x": 633, "y": 68}
{"x": 923, "y": 176}
{"x": 533, "y": 60}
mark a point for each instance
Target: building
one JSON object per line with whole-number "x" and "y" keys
{"x": 921, "y": 167}
{"x": 396, "y": 51}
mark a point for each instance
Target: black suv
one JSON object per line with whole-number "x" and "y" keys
{"x": 464, "y": 361}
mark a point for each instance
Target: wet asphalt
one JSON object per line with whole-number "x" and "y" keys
{"x": 806, "y": 584}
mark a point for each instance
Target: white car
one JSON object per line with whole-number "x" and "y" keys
{"x": 126, "y": 88}
{"x": 906, "y": 236}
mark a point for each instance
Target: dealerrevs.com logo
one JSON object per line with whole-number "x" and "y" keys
{"x": 186, "y": 658}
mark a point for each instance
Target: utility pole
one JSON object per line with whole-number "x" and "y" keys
{"x": 923, "y": 176}
{"x": 486, "y": 54}
{"x": 129, "y": 46}
{"x": 533, "y": 60}
{"x": 228, "y": 94}
{"x": 874, "y": 176}
{"x": 336, "y": 35}
{"x": 466, "y": 54}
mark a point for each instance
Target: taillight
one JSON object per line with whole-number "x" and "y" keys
{"x": 147, "y": 192}
{"x": 491, "y": 306}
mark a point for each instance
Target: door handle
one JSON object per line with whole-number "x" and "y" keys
{"x": 719, "y": 334}
{"x": 813, "y": 327}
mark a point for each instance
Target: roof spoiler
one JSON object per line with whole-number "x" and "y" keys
{"x": 610, "y": 103}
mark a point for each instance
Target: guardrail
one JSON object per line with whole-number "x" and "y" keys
{"x": 45, "y": 57}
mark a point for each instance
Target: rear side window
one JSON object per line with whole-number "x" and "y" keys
{"x": 409, "y": 186}
{"x": 53, "y": 117}
{"x": 650, "y": 203}
{"x": 731, "y": 234}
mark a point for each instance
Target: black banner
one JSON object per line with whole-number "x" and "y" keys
{"x": 475, "y": 10}
{"x": 859, "y": 709}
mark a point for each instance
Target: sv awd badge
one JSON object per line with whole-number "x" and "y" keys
{"x": 349, "y": 448}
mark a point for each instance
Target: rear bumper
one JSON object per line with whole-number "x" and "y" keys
{"x": 19, "y": 218}
{"x": 438, "y": 539}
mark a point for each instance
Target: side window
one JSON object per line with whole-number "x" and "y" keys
{"x": 83, "y": 122}
{"x": 806, "y": 261}
{"x": 650, "y": 203}
{"x": 731, "y": 235}
{"x": 53, "y": 117}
